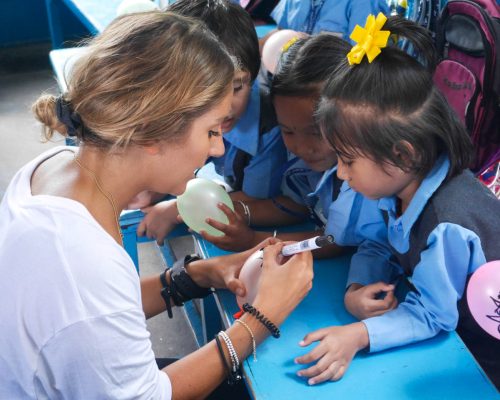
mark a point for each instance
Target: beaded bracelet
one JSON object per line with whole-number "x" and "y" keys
{"x": 232, "y": 352}
{"x": 262, "y": 319}
{"x": 234, "y": 374}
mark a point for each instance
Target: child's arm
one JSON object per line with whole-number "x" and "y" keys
{"x": 279, "y": 211}
{"x": 439, "y": 281}
{"x": 159, "y": 220}
{"x": 238, "y": 236}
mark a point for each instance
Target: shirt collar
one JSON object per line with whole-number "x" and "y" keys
{"x": 326, "y": 179}
{"x": 427, "y": 188}
{"x": 245, "y": 134}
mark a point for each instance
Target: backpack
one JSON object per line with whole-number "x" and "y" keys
{"x": 468, "y": 75}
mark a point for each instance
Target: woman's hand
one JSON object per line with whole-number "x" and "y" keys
{"x": 284, "y": 282}
{"x": 159, "y": 220}
{"x": 337, "y": 347}
{"x": 370, "y": 300}
{"x": 223, "y": 272}
{"x": 237, "y": 235}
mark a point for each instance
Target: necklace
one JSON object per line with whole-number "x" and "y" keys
{"x": 108, "y": 196}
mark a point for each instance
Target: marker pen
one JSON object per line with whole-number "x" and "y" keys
{"x": 305, "y": 245}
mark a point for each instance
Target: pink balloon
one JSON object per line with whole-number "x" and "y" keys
{"x": 271, "y": 52}
{"x": 249, "y": 275}
{"x": 483, "y": 297}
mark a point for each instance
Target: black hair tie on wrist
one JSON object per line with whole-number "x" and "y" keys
{"x": 262, "y": 319}
{"x": 232, "y": 378}
{"x": 166, "y": 293}
{"x": 67, "y": 116}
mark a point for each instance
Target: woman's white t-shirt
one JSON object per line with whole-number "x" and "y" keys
{"x": 71, "y": 318}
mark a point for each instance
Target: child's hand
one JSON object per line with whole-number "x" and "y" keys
{"x": 160, "y": 219}
{"x": 237, "y": 235}
{"x": 370, "y": 300}
{"x": 337, "y": 347}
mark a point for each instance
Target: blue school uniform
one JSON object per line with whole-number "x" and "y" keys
{"x": 333, "y": 205}
{"x": 449, "y": 229}
{"x": 315, "y": 16}
{"x": 254, "y": 149}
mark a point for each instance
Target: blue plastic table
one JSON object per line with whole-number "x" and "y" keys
{"x": 439, "y": 368}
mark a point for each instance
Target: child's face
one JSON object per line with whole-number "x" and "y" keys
{"x": 374, "y": 180}
{"x": 241, "y": 93}
{"x": 300, "y": 134}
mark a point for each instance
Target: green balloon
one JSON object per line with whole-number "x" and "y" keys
{"x": 199, "y": 202}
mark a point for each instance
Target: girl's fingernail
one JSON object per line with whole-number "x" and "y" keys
{"x": 311, "y": 382}
{"x": 302, "y": 343}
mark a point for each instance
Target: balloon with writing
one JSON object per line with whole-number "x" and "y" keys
{"x": 249, "y": 275}
{"x": 483, "y": 297}
{"x": 199, "y": 202}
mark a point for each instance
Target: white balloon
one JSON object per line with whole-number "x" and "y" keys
{"x": 250, "y": 275}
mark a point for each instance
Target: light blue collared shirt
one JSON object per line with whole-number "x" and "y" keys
{"x": 340, "y": 216}
{"x": 267, "y": 152}
{"x": 453, "y": 252}
{"x": 340, "y": 16}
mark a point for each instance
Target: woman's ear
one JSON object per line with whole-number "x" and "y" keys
{"x": 405, "y": 152}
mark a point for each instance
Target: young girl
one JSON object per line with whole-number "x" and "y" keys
{"x": 150, "y": 94}
{"x": 399, "y": 142}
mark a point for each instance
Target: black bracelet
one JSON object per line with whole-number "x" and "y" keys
{"x": 183, "y": 286}
{"x": 262, "y": 319}
{"x": 231, "y": 378}
{"x": 166, "y": 292}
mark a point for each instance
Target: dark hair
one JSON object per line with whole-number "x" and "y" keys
{"x": 304, "y": 68}
{"x": 231, "y": 24}
{"x": 372, "y": 109}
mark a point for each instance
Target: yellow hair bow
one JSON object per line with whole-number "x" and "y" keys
{"x": 369, "y": 39}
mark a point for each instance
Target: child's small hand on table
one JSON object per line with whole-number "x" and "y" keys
{"x": 370, "y": 300}
{"x": 337, "y": 347}
{"x": 237, "y": 235}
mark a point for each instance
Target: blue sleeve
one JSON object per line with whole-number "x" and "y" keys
{"x": 358, "y": 10}
{"x": 452, "y": 253}
{"x": 372, "y": 261}
{"x": 258, "y": 180}
{"x": 280, "y": 13}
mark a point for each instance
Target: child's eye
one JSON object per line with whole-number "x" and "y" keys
{"x": 237, "y": 88}
{"x": 212, "y": 134}
{"x": 286, "y": 132}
